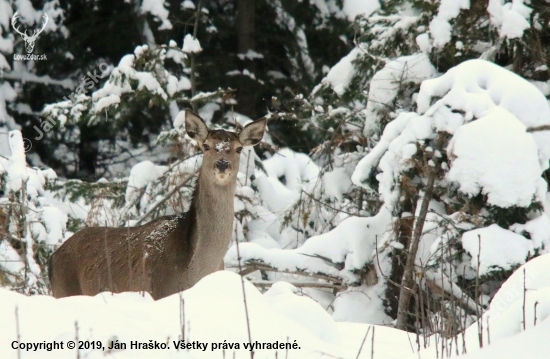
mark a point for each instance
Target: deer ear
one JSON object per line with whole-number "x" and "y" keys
{"x": 195, "y": 126}
{"x": 253, "y": 132}
{"x": 238, "y": 127}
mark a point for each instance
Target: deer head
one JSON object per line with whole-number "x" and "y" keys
{"x": 222, "y": 148}
{"x": 29, "y": 40}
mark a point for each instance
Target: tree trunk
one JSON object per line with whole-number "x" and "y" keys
{"x": 404, "y": 230}
{"x": 247, "y": 96}
{"x": 407, "y": 282}
{"x": 246, "y": 16}
{"x": 88, "y": 152}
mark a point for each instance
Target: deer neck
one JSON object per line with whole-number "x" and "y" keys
{"x": 214, "y": 211}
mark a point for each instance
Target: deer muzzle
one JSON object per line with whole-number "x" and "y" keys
{"x": 222, "y": 165}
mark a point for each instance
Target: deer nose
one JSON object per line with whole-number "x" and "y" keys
{"x": 222, "y": 165}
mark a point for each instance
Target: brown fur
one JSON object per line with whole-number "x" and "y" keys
{"x": 3, "y": 221}
{"x": 168, "y": 254}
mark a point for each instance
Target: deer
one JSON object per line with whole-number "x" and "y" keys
{"x": 171, "y": 253}
{"x": 29, "y": 40}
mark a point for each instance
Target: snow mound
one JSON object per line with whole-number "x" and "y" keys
{"x": 217, "y": 323}
{"x": 385, "y": 84}
{"x": 297, "y": 169}
{"x": 503, "y": 322}
{"x": 351, "y": 306}
{"x": 283, "y": 317}
{"x": 55, "y": 221}
{"x": 496, "y": 156}
{"x": 440, "y": 28}
{"x": 17, "y": 165}
{"x": 10, "y": 259}
{"x": 191, "y": 44}
{"x": 476, "y": 86}
{"x": 371, "y": 160}
{"x": 336, "y": 183}
{"x": 353, "y": 8}
{"x": 511, "y": 18}
{"x": 532, "y": 344}
{"x": 341, "y": 74}
{"x": 510, "y": 295}
{"x": 158, "y": 9}
{"x": 141, "y": 175}
{"x": 393, "y": 153}
{"x": 497, "y": 248}
{"x": 313, "y": 317}
{"x": 502, "y": 330}
{"x": 351, "y": 243}
{"x": 539, "y": 231}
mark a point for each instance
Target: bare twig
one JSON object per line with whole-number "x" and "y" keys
{"x": 309, "y": 284}
{"x": 252, "y": 266}
{"x": 479, "y": 320}
{"x": 363, "y": 343}
{"x": 539, "y": 128}
{"x": 464, "y": 351}
{"x": 488, "y": 332}
{"x": 244, "y": 297}
{"x": 165, "y": 198}
{"x": 535, "y": 310}
{"x": 193, "y": 57}
{"x": 331, "y": 207}
{"x": 124, "y": 212}
{"x": 372, "y": 344}
{"x": 524, "y": 298}
{"x": 76, "y": 339}
{"x": 182, "y": 316}
{"x": 17, "y": 331}
{"x": 465, "y": 302}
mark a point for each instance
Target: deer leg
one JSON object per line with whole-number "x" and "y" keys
{"x": 66, "y": 284}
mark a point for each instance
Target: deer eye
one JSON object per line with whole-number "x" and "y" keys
{"x": 205, "y": 147}
{"x": 239, "y": 149}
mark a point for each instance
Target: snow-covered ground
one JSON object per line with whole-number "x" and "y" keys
{"x": 213, "y": 313}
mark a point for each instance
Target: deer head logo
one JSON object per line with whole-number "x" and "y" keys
{"x": 29, "y": 40}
